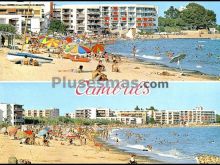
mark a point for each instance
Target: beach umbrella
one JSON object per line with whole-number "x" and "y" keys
{"x": 98, "y": 48}
{"x": 47, "y": 128}
{"x": 28, "y": 132}
{"x": 68, "y": 39}
{"x": 44, "y": 40}
{"x": 177, "y": 59}
{"x": 20, "y": 134}
{"x": 80, "y": 49}
{"x": 52, "y": 43}
{"x": 42, "y": 132}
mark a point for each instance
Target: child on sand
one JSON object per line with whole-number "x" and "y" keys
{"x": 132, "y": 159}
{"x": 115, "y": 67}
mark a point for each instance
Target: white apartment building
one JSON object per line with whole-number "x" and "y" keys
{"x": 48, "y": 113}
{"x": 15, "y": 20}
{"x": 125, "y": 120}
{"x": 106, "y": 113}
{"x": 16, "y": 13}
{"x": 197, "y": 115}
{"x": 93, "y": 113}
{"x": 93, "y": 18}
{"x": 166, "y": 117}
{"x": 11, "y": 113}
{"x": 70, "y": 115}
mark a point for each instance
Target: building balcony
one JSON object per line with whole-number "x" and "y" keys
{"x": 93, "y": 13}
{"x": 66, "y": 13}
{"x": 93, "y": 23}
{"x": 93, "y": 18}
{"x": 80, "y": 15}
{"x": 80, "y": 18}
{"x": 131, "y": 11}
{"x": 66, "y": 18}
{"x": 80, "y": 25}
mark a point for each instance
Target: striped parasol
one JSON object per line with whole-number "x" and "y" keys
{"x": 80, "y": 50}
{"x": 98, "y": 48}
{"x": 52, "y": 43}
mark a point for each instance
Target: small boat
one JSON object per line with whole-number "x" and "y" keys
{"x": 15, "y": 57}
{"x": 76, "y": 58}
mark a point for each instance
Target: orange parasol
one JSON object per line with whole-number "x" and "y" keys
{"x": 68, "y": 40}
{"x": 98, "y": 48}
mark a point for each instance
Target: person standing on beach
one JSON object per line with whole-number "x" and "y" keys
{"x": 134, "y": 51}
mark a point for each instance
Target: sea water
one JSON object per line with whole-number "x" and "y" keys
{"x": 171, "y": 145}
{"x": 202, "y": 55}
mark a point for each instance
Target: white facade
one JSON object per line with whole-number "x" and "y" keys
{"x": 35, "y": 18}
{"x": 198, "y": 115}
{"x": 15, "y": 20}
{"x": 12, "y": 113}
{"x": 125, "y": 120}
{"x": 49, "y": 113}
{"x": 35, "y": 25}
{"x": 91, "y": 18}
{"x": 71, "y": 115}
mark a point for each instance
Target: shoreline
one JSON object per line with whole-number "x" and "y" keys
{"x": 139, "y": 158}
{"x": 187, "y": 72}
{"x": 139, "y": 69}
{"x": 200, "y": 158}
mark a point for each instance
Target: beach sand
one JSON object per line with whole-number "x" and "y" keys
{"x": 58, "y": 153}
{"x": 131, "y": 69}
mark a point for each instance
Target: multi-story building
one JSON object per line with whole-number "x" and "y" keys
{"x": 11, "y": 113}
{"x": 198, "y": 115}
{"x": 93, "y": 113}
{"x": 166, "y": 117}
{"x": 93, "y": 18}
{"x": 125, "y": 120}
{"x": 106, "y": 113}
{"x": 135, "y": 114}
{"x": 48, "y": 113}
{"x": 70, "y": 115}
{"x": 16, "y": 13}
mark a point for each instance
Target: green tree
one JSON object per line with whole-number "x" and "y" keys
{"x": 57, "y": 26}
{"x": 7, "y": 28}
{"x": 136, "y": 108}
{"x": 196, "y": 16}
{"x": 217, "y": 118}
{"x": 172, "y": 13}
{"x": 151, "y": 120}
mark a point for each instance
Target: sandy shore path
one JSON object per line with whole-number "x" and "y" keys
{"x": 57, "y": 153}
{"x": 130, "y": 70}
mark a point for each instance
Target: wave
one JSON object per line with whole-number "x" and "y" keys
{"x": 198, "y": 66}
{"x": 139, "y": 147}
{"x": 152, "y": 57}
{"x": 201, "y": 41}
{"x": 170, "y": 153}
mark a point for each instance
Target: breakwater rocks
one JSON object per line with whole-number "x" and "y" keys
{"x": 208, "y": 159}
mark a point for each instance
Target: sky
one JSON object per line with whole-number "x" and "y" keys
{"x": 179, "y": 96}
{"x": 163, "y": 6}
